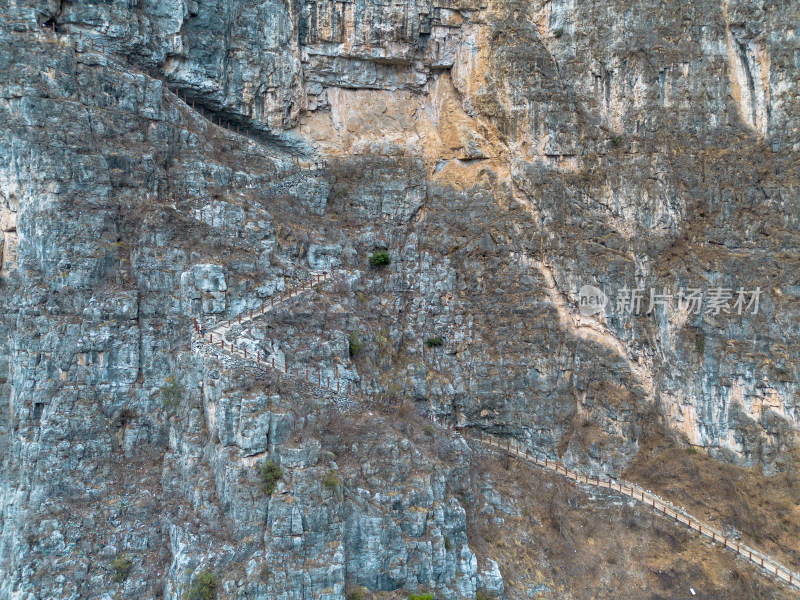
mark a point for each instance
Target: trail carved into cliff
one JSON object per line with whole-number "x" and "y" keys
{"x": 227, "y": 328}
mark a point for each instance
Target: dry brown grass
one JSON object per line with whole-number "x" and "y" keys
{"x": 766, "y": 510}
{"x": 339, "y": 430}
{"x": 579, "y": 547}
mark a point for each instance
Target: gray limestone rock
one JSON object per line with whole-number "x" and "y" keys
{"x": 162, "y": 163}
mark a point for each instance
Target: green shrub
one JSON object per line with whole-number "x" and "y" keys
{"x": 483, "y": 596}
{"x": 700, "y": 342}
{"x": 203, "y": 588}
{"x": 331, "y": 480}
{"x": 420, "y": 597}
{"x": 270, "y": 474}
{"x": 171, "y": 393}
{"x": 355, "y": 343}
{"x": 380, "y": 259}
{"x": 616, "y": 141}
{"x": 557, "y": 33}
{"x": 448, "y": 545}
{"x": 357, "y": 593}
{"x": 692, "y": 450}
{"x": 433, "y": 342}
{"x": 429, "y": 431}
{"x": 122, "y": 566}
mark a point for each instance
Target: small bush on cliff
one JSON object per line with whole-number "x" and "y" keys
{"x": 483, "y": 596}
{"x": 331, "y": 480}
{"x": 270, "y": 474}
{"x": 420, "y": 597}
{"x": 380, "y": 259}
{"x": 357, "y": 593}
{"x": 122, "y": 566}
{"x": 355, "y": 343}
{"x": 171, "y": 393}
{"x": 700, "y": 342}
{"x": 616, "y": 141}
{"x": 203, "y": 588}
{"x": 434, "y": 342}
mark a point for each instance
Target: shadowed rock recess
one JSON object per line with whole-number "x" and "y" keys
{"x": 466, "y": 168}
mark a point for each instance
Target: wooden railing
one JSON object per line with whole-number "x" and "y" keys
{"x": 217, "y": 336}
{"x": 765, "y": 562}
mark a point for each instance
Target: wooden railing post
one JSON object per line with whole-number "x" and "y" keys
{"x": 630, "y": 490}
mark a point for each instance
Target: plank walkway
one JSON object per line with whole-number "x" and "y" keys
{"x": 767, "y": 564}
{"x": 218, "y": 335}
{"x": 222, "y": 329}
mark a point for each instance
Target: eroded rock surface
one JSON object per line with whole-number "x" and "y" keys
{"x": 503, "y": 153}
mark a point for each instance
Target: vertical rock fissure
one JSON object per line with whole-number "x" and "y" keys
{"x": 748, "y": 72}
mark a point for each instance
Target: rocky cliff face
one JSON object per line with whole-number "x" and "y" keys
{"x": 505, "y": 154}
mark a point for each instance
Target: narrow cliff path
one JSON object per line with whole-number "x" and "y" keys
{"x": 226, "y": 336}
{"x": 79, "y": 44}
